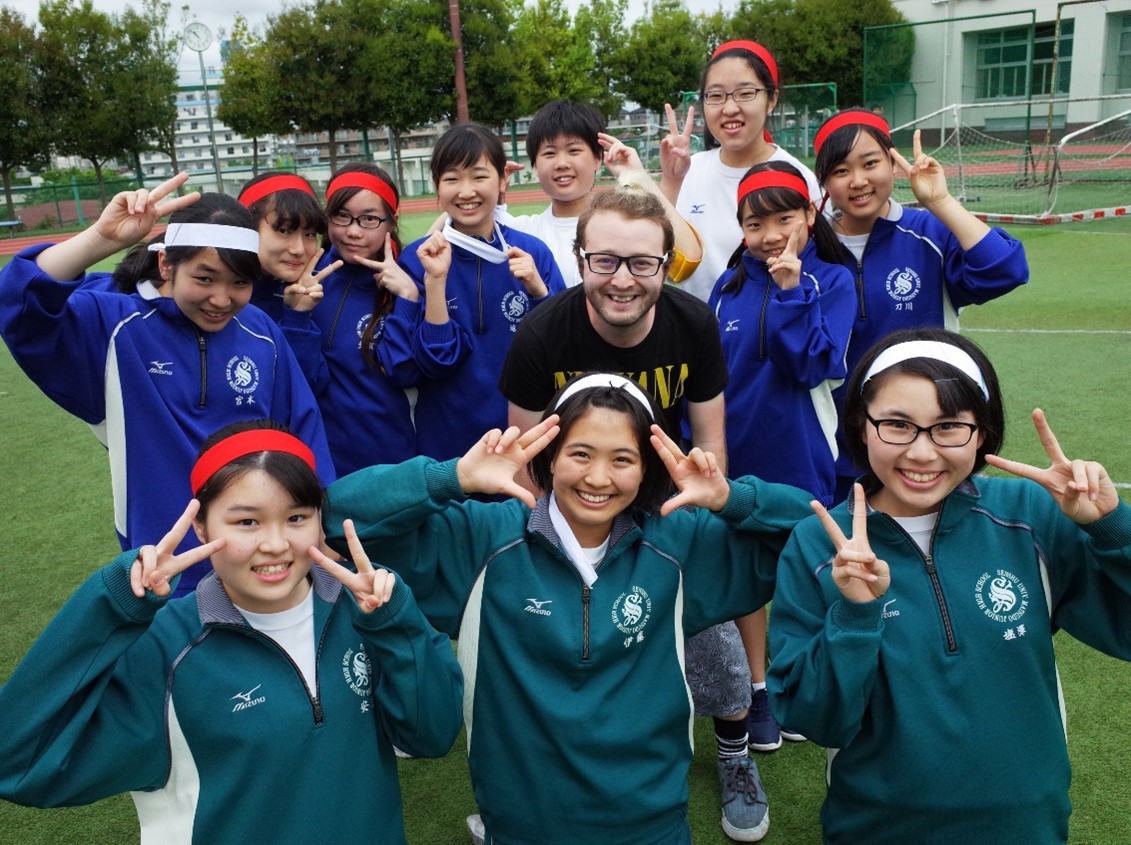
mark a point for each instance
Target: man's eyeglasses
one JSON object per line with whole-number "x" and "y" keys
{"x": 903, "y": 433}
{"x": 740, "y": 95}
{"x": 606, "y": 263}
{"x": 365, "y": 221}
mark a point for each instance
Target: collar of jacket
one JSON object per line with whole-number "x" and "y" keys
{"x": 215, "y": 607}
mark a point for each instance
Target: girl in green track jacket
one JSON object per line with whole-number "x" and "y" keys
{"x": 571, "y": 618}
{"x": 913, "y": 625}
{"x": 262, "y": 708}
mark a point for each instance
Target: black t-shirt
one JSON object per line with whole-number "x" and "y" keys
{"x": 681, "y": 358}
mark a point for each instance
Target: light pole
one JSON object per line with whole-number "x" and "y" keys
{"x": 198, "y": 37}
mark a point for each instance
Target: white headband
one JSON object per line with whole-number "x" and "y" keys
{"x": 606, "y": 380}
{"x": 212, "y": 235}
{"x": 932, "y": 349}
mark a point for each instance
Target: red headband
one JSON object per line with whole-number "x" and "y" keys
{"x": 356, "y": 179}
{"x": 246, "y": 443}
{"x": 755, "y": 48}
{"x": 771, "y": 179}
{"x": 849, "y": 118}
{"x": 272, "y": 185}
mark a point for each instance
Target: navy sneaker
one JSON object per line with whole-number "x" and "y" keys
{"x": 765, "y": 735}
{"x": 746, "y": 813}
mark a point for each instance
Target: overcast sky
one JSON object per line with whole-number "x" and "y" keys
{"x": 218, "y": 15}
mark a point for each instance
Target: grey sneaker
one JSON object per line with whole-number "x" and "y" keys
{"x": 746, "y": 814}
{"x": 475, "y": 828}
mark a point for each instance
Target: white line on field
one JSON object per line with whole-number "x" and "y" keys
{"x": 1048, "y": 331}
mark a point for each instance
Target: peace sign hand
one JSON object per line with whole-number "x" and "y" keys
{"x": 131, "y": 214}
{"x": 619, "y": 157}
{"x": 857, "y": 572}
{"x": 675, "y": 148}
{"x": 928, "y": 181}
{"x": 1083, "y": 489}
{"x": 306, "y": 292}
{"x": 157, "y": 565}
{"x": 371, "y": 587}
{"x": 491, "y": 463}
{"x": 785, "y": 268}
{"x": 390, "y": 275}
{"x": 696, "y": 475}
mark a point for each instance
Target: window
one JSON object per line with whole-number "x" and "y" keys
{"x": 1123, "y": 55}
{"x": 194, "y": 124}
{"x": 1003, "y": 62}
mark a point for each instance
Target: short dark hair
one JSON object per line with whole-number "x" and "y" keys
{"x": 840, "y": 142}
{"x": 140, "y": 264}
{"x": 630, "y": 203}
{"x": 291, "y": 472}
{"x": 957, "y": 392}
{"x": 560, "y": 118}
{"x": 463, "y": 145}
{"x": 293, "y": 208}
{"x": 655, "y": 487}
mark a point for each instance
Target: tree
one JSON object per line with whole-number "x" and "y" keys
{"x": 823, "y": 40}
{"x": 166, "y": 48}
{"x": 600, "y": 24}
{"x": 664, "y": 56}
{"x": 250, "y": 97}
{"x": 493, "y": 82}
{"x": 23, "y": 133}
{"x": 553, "y": 60}
{"x": 110, "y": 94}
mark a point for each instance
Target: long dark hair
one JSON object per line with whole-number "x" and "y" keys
{"x": 383, "y": 300}
{"x": 761, "y": 70}
{"x": 957, "y": 392}
{"x": 141, "y": 264}
{"x": 656, "y": 486}
{"x": 774, "y": 200}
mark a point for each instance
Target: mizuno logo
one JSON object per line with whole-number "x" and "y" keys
{"x": 160, "y": 368}
{"x": 697, "y": 208}
{"x": 536, "y": 606}
{"x": 732, "y": 325}
{"x": 244, "y": 700}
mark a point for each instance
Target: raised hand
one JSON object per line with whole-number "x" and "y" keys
{"x": 857, "y": 572}
{"x": 491, "y": 463}
{"x": 675, "y": 148}
{"x": 696, "y": 475}
{"x": 1083, "y": 489}
{"x": 523, "y": 268}
{"x": 306, "y": 293}
{"x": 509, "y": 169}
{"x": 389, "y": 274}
{"x": 785, "y": 268}
{"x": 435, "y": 255}
{"x": 928, "y": 181}
{"x": 157, "y": 565}
{"x": 130, "y": 215}
{"x": 619, "y": 157}
{"x": 371, "y": 587}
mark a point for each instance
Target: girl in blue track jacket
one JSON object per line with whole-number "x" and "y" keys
{"x": 479, "y": 278}
{"x": 365, "y": 323}
{"x": 155, "y": 377}
{"x": 264, "y": 708}
{"x": 571, "y": 618}
{"x": 785, "y": 310}
{"x": 913, "y": 625}
{"x": 914, "y": 266}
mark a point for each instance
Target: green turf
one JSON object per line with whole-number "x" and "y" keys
{"x": 55, "y": 528}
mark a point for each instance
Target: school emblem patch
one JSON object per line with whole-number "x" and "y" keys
{"x": 357, "y": 670}
{"x": 631, "y": 612}
{"x": 515, "y": 305}
{"x": 903, "y": 284}
{"x": 242, "y": 374}
{"x": 1001, "y": 596}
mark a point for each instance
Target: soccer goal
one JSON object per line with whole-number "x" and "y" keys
{"x": 1021, "y": 161}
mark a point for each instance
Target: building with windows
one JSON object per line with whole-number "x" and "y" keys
{"x": 991, "y": 52}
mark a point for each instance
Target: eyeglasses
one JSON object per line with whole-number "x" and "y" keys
{"x": 945, "y": 434}
{"x": 739, "y": 95}
{"x": 365, "y": 221}
{"x": 606, "y": 263}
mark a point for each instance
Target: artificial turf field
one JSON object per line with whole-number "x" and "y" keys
{"x": 1062, "y": 343}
